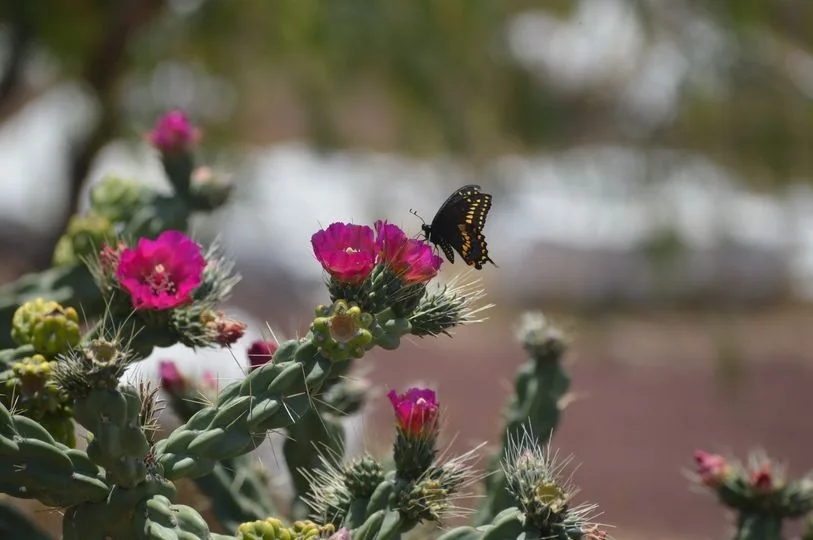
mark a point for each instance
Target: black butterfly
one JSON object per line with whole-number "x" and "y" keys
{"x": 458, "y": 226}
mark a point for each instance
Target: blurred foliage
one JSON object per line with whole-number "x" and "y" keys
{"x": 422, "y": 76}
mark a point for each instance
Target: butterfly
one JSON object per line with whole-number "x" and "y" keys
{"x": 458, "y": 226}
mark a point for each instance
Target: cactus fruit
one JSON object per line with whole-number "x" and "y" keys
{"x": 342, "y": 331}
{"x": 30, "y": 387}
{"x": 47, "y": 326}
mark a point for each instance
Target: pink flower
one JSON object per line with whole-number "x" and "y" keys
{"x": 161, "y": 273}
{"x": 261, "y": 352}
{"x": 763, "y": 479}
{"x": 346, "y": 251}
{"x": 414, "y": 261}
{"x": 173, "y": 133}
{"x": 711, "y": 468}
{"x": 416, "y": 411}
{"x": 171, "y": 378}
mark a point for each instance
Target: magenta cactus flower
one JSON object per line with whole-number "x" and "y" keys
{"x": 161, "y": 273}
{"x": 416, "y": 412}
{"x": 414, "y": 261}
{"x": 171, "y": 379}
{"x": 261, "y": 352}
{"x": 173, "y": 133}
{"x": 712, "y": 469}
{"x": 346, "y": 251}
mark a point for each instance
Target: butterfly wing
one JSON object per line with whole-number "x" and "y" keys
{"x": 445, "y": 223}
{"x": 458, "y": 226}
{"x": 473, "y": 246}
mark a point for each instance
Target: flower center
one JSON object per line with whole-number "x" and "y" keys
{"x": 350, "y": 250}
{"x": 342, "y": 328}
{"x": 159, "y": 281}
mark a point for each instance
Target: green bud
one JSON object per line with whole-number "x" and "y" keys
{"x": 342, "y": 331}
{"x": 84, "y": 238}
{"x": 50, "y": 328}
{"x": 209, "y": 190}
{"x": 117, "y": 199}
{"x": 362, "y": 477}
{"x": 426, "y": 500}
{"x": 30, "y": 388}
{"x": 541, "y": 339}
{"x": 269, "y": 529}
{"x": 307, "y": 530}
{"x": 63, "y": 252}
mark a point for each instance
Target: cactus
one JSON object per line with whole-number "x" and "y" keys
{"x": 534, "y": 478}
{"x": 122, "y": 208}
{"x": 541, "y": 384}
{"x": 84, "y": 237}
{"x": 143, "y": 283}
{"x": 759, "y": 493}
{"x": 236, "y": 487}
{"x": 30, "y": 387}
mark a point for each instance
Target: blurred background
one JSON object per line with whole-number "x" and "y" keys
{"x": 650, "y": 162}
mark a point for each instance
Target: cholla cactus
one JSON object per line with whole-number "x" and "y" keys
{"x": 535, "y": 407}
{"x": 166, "y": 291}
{"x": 374, "y": 503}
{"x": 236, "y": 487}
{"x": 759, "y": 492}
{"x": 29, "y": 388}
{"x": 125, "y": 209}
{"x": 542, "y": 499}
{"x": 159, "y": 288}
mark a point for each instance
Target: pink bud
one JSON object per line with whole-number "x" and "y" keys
{"x": 173, "y": 133}
{"x": 261, "y": 352}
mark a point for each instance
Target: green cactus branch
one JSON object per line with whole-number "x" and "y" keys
{"x": 318, "y": 432}
{"x": 34, "y": 466}
{"x": 535, "y": 407}
{"x": 238, "y": 491}
{"x": 237, "y": 487}
{"x": 271, "y": 397}
{"x": 117, "y": 442}
{"x": 310, "y": 435}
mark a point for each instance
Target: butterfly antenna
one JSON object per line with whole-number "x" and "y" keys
{"x": 414, "y": 213}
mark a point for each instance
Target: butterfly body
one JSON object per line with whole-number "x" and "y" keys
{"x": 458, "y": 226}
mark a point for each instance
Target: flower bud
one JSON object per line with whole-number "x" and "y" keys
{"x": 173, "y": 133}
{"x": 260, "y": 353}
{"x": 50, "y": 328}
{"x": 117, "y": 199}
